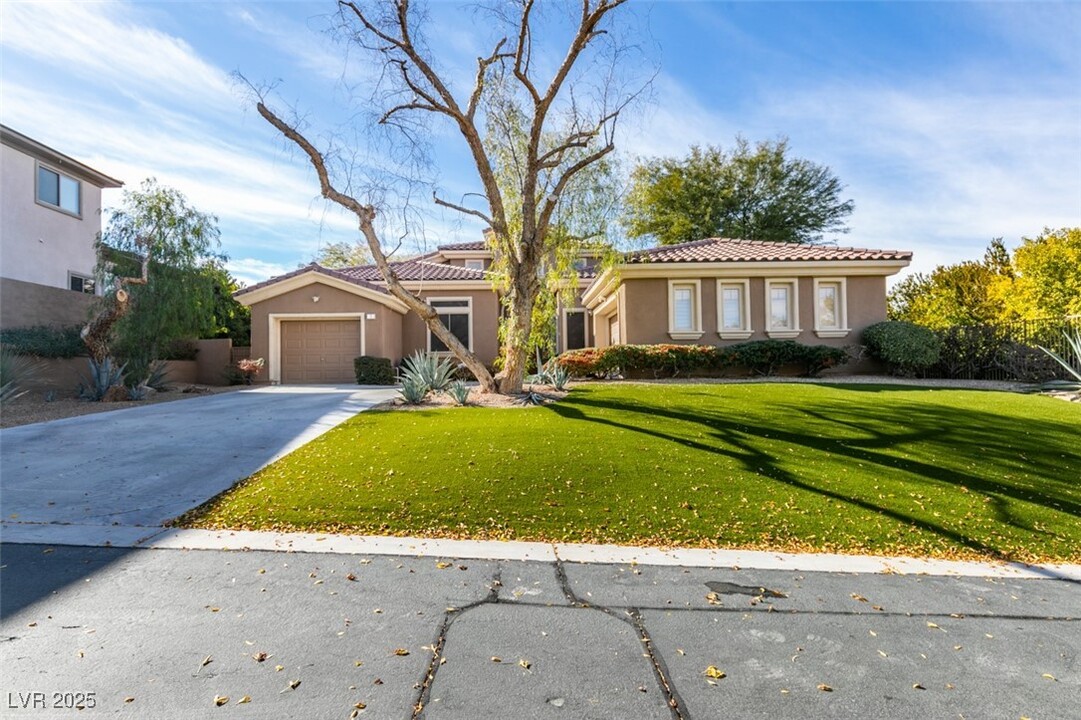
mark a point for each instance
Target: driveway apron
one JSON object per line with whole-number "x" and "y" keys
{"x": 144, "y": 466}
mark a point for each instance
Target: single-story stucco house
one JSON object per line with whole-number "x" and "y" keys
{"x": 309, "y": 324}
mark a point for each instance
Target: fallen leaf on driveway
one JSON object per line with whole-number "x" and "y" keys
{"x": 129, "y": 699}
{"x": 824, "y": 687}
{"x": 713, "y": 672}
{"x": 243, "y": 700}
{"x": 259, "y": 657}
{"x": 526, "y": 664}
{"x": 207, "y": 660}
{"x": 443, "y": 565}
{"x": 220, "y": 700}
{"x": 401, "y": 652}
{"x": 917, "y": 686}
{"x": 1050, "y": 677}
{"x": 497, "y": 659}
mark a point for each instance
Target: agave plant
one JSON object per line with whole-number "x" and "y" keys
{"x": 102, "y": 377}
{"x": 558, "y": 377}
{"x": 431, "y": 371}
{"x": 16, "y": 371}
{"x": 459, "y": 391}
{"x": 1073, "y": 341}
{"x": 413, "y": 391}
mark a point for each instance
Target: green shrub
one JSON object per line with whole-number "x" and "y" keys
{"x": 762, "y": 357}
{"x": 44, "y": 341}
{"x": 179, "y": 350}
{"x": 373, "y": 370}
{"x": 905, "y": 347}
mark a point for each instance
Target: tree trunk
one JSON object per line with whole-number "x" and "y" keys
{"x": 519, "y": 325}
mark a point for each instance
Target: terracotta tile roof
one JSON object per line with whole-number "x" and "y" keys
{"x": 315, "y": 267}
{"x": 474, "y": 245}
{"x": 729, "y": 250}
{"x": 416, "y": 270}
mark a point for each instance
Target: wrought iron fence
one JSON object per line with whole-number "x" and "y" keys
{"x": 1007, "y": 351}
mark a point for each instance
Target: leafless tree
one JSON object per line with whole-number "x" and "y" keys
{"x": 566, "y": 112}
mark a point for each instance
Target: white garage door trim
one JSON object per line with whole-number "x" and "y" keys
{"x": 274, "y": 362}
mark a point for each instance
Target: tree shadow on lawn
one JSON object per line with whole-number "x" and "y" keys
{"x": 946, "y": 429}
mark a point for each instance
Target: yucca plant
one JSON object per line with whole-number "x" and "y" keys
{"x": 101, "y": 378}
{"x": 459, "y": 391}
{"x": 1073, "y": 341}
{"x": 16, "y": 372}
{"x": 431, "y": 371}
{"x": 413, "y": 391}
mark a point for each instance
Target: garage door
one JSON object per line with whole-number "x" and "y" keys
{"x": 319, "y": 351}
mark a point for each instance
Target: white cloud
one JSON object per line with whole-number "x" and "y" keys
{"x": 101, "y": 43}
{"x": 252, "y": 270}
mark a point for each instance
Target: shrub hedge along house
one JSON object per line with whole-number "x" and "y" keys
{"x": 312, "y": 323}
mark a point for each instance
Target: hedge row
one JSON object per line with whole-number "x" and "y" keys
{"x": 43, "y": 341}
{"x": 761, "y": 357}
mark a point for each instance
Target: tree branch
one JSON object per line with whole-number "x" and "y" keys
{"x": 462, "y": 209}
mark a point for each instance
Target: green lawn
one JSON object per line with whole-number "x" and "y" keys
{"x": 855, "y": 468}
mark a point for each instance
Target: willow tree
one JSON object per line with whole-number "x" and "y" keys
{"x": 528, "y": 166}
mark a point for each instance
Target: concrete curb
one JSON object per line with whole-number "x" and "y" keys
{"x": 241, "y": 540}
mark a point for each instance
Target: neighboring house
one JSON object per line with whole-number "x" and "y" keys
{"x": 50, "y": 217}
{"x": 309, "y": 324}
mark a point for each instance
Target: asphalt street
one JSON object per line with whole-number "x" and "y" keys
{"x": 155, "y": 633}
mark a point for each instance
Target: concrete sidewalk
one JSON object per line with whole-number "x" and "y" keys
{"x": 407, "y": 637}
{"x": 142, "y": 466}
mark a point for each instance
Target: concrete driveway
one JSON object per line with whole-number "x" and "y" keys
{"x": 143, "y": 466}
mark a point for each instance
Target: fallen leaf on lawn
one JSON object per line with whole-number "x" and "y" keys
{"x": 401, "y": 652}
{"x": 497, "y": 659}
{"x": 917, "y": 686}
{"x": 1050, "y": 677}
{"x": 713, "y": 672}
{"x": 443, "y": 565}
{"x": 245, "y": 699}
{"x": 220, "y": 700}
{"x": 824, "y": 687}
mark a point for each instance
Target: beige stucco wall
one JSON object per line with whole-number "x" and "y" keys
{"x": 25, "y": 304}
{"x": 382, "y": 336}
{"x": 485, "y": 324}
{"x": 645, "y": 318}
{"x": 37, "y": 243}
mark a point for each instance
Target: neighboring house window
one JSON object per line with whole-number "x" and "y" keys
{"x": 831, "y": 308}
{"x": 734, "y": 321}
{"x": 59, "y": 191}
{"x": 81, "y": 283}
{"x": 782, "y": 309}
{"x": 684, "y": 310}
{"x": 474, "y": 264}
{"x": 457, "y": 315}
{"x": 574, "y": 329}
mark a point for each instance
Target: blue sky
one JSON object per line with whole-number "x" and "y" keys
{"x": 950, "y": 123}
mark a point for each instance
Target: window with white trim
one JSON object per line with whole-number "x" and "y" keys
{"x": 474, "y": 264}
{"x": 456, "y": 314}
{"x": 733, "y": 314}
{"x": 829, "y": 306}
{"x": 782, "y": 308}
{"x": 59, "y": 191}
{"x": 684, "y": 310}
{"x": 81, "y": 283}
